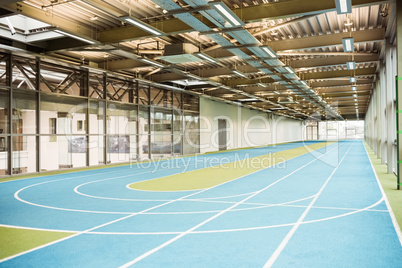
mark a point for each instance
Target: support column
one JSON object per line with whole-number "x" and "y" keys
{"x": 9, "y": 73}
{"x": 389, "y": 106}
{"x": 399, "y": 90}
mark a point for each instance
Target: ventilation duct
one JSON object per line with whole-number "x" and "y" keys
{"x": 180, "y": 53}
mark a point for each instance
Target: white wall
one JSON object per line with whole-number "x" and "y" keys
{"x": 246, "y": 128}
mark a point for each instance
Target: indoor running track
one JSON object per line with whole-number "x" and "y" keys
{"x": 319, "y": 209}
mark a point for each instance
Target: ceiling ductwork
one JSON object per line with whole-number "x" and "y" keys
{"x": 180, "y": 53}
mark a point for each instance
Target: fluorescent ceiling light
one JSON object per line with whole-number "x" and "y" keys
{"x": 225, "y": 12}
{"x": 12, "y": 30}
{"x": 351, "y": 65}
{"x": 355, "y": 99}
{"x": 270, "y": 52}
{"x": 276, "y": 92}
{"x": 354, "y": 88}
{"x": 348, "y": 44}
{"x": 353, "y": 80}
{"x": 187, "y": 82}
{"x": 355, "y": 95}
{"x": 290, "y": 70}
{"x": 142, "y": 25}
{"x": 262, "y": 85}
{"x": 153, "y": 63}
{"x": 250, "y": 99}
{"x": 206, "y": 57}
{"x": 76, "y": 37}
{"x": 343, "y": 6}
{"x": 304, "y": 83}
{"x": 193, "y": 76}
{"x": 240, "y": 74}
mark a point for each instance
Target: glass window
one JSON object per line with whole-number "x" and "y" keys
{"x": 24, "y": 73}
{"x": 64, "y": 145}
{"x": 3, "y": 74}
{"x": 4, "y": 108}
{"x": 161, "y": 132}
{"x": 96, "y": 117}
{"x": 96, "y": 149}
{"x": 161, "y": 97}
{"x": 191, "y": 103}
{"x": 4, "y": 155}
{"x": 122, "y": 132}
{"x": 24, "y": 154}
{"x": 56, "y": 79}
{"x": 191, "y": 135}
{"x": 96, "y": 89}
{"x": 177, "y": 132}
{"x": 143, "y": 94}
{"x": 119, "y": 90}
{"x": 24, "y": 113}
{"x": 177, "y": 101}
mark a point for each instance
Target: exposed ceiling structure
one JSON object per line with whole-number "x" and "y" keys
{"x": 288, "y": 57}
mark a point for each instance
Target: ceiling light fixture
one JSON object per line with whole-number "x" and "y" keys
{"x": 142, "y": 25}
{"x": 261, "y": 85}
{"x": 12, "y": 30}
{"x": 193, "y": 76}
{"x": 206, "y": 57}
{"x": 240, "y": 74}
{"x": 227, "y": 14}
{"x": 270, "y": 52}
{"x": 152, "y": 62}
{"x": 353, "y": 80}
{"x": 351, "y": 65}
{"x": 348, "y": 44}
{"x": 290, "y": 70}
{"x": 343, "y": 6}
{"x": 76, "y": 37}
{"x": 354, "y": 88}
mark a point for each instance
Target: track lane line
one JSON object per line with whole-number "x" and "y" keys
{"x": 150, "y": 252}
{"x": 114, "y": 221}
{"x": 287, "y": 238}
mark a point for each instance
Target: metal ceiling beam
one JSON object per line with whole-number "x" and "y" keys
{"x": 278, "y": 10}
{"x": 331, "y": 61}
{"x": 206, "y": 73}
{"x": 304, "y": 76}
{"x": 122, "y": 64}
{"x": 294, "y": 8}
{"x": 339, "y": 73}
{"x": 327, "y": 40}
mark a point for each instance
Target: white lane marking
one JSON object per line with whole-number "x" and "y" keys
{"x": 94, "y": 228}
{"x": 37, "y": 229}
{"x": 150, "y": 252}
{"x": 391, "y": 212}
{"x": 111, "y": 222}
{"x": 289, "y": 235}
{"x": 214, "y": 231}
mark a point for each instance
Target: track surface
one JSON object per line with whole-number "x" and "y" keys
{"x": 324, "y": 208}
